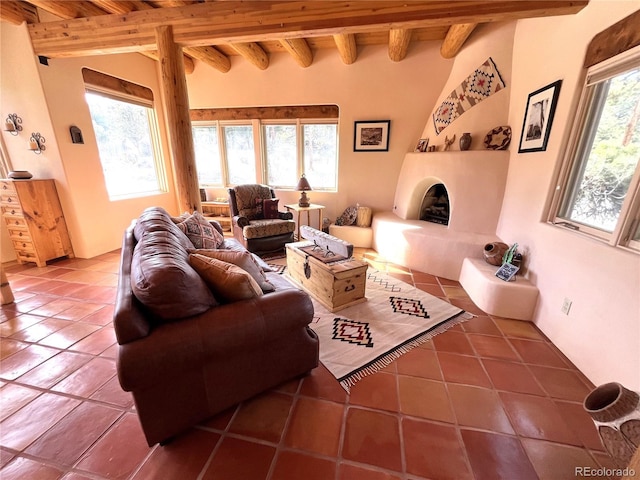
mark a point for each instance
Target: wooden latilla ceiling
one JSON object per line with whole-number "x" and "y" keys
{"x": 214, "y": 30}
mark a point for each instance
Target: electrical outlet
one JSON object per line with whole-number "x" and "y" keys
{"x": 566, "y": 306}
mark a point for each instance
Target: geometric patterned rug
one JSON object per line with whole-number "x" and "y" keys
{"x": 364, "y": 338}
{"x": 481, "y": 84}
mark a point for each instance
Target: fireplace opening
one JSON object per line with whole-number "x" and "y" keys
{"x": 435, "y": 205}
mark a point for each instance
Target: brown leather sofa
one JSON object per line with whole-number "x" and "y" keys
{"x": 184, "y": 370}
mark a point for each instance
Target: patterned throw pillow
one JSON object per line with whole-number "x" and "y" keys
{"x": 242, "y": 259}
{"x": 227, "y": 281}
{"x": 201, "y": 233}
{"x": 270, "y": 208}
{"x": 259, "y": 212}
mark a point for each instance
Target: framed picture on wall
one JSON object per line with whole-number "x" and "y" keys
{"x": 371, "y": 136}
{"x": 538, "y": 117}
{"x": 422, "y": 145}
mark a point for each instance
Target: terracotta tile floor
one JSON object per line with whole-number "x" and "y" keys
{"x": 491, "y": 398}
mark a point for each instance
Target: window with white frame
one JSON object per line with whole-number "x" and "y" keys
{"x": 598, "y": 192}
{"x": 126, "y": 130}
{"x": 275, "y": 152}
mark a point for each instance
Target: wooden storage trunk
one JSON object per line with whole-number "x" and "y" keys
{"x": 335, "y": 285}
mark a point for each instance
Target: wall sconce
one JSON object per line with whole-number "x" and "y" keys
{"x": 36, "y": 143}
{"x": 12, "y": 124}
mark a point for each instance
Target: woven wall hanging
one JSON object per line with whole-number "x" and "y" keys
{"x": 481, "y": 84}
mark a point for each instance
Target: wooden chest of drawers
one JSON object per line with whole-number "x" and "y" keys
{"x": 335, "y": 285}
{"x": 33, "y": 215}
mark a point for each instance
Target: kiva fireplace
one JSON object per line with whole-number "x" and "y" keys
{"x": 435, "y": 205}
{"x": 446, "y": 208}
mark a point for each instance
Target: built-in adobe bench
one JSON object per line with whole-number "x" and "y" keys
{"x": 515, "y": 299}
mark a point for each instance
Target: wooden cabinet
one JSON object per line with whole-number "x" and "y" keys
{"x": 218, "y": 211}
{"x": 31, "y": 209}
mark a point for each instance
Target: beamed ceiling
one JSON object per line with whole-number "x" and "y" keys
{"x": 211, "y": 31}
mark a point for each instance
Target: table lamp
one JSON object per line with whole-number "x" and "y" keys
{"x": 303, "y": 185}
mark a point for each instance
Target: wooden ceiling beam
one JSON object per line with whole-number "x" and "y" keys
{"x": 347, "y": 48}
{"x": 253, "y": 53}
{"x": 211, "y": 57}
{"x": 222, "y": 22}
{"x": 208, "y": 55}
{"x": 68, "y": 10}
{"x": 399, "y": 39}
{"x": 456, "y": 36}
{"x": 122, "y": 6}
{"x": 299, "y": 50}
{"x": 17, "y": 12}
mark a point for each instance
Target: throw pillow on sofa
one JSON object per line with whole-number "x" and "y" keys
{"x": 164, "y": 282}
{"x": 226, "y": 281}
{"x": 242, "y": 259}
{"x": 201, "y": 233}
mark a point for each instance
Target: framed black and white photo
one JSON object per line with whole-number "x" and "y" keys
{"x": 422, "y": 145}
{"x": 538, "y": 117}
{"x": 507, "y": 271}
{"x": 371, "y": 136}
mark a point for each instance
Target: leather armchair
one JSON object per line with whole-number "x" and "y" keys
{"x": 258, "y": 234}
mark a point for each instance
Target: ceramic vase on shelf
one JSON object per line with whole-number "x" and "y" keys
{"x": 615, "y": 410}
{"x": 493, "y": 253}
{"x": 465, "y": 141}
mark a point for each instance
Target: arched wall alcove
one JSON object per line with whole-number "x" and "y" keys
{"x": 475, "y": 182}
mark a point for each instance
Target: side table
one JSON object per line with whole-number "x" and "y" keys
{"x": 297, "y": 208}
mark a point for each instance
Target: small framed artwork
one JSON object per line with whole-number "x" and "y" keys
{"x": 422, "y": 145}
{"x": 371, "y": 136}
{"x": 507, "y": 271}
{"x": 538, "y": 117}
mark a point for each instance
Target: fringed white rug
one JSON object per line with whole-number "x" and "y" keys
{"x": 366, "y": 337}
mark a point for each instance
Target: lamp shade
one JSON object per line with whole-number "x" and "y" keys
{"x": 303, "y": 184}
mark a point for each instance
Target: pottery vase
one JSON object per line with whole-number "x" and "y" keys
{"x": 493, "y": 253}
{"x": 615, "y": 410}
{"x": 465, "y": 141}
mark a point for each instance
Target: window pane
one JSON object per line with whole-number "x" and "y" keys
{"x": 205, "y": 141}
{"x": 321, "y": 155}
{"x": 609, "y": 152}
{"x": 280, "y": 144}
{"x": 241, "y": 159}
{"x": 123, "y": 133}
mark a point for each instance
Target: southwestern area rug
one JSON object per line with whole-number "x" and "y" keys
{"x": 362, "y": 339}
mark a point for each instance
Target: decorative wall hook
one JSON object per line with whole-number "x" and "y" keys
{"x": 36, "y": 143}
{"x": 13, "y": 124}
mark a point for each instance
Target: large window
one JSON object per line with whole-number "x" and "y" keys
{"x": 126, "y": 131}
{"x": 598, "y": 191}
{"x": 302, "y": 147}
{"x": 240, "y": 153}
{"x": 207, "y": 150}
{"x": 263, "y": 150}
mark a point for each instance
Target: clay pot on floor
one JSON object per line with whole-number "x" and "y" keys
{"x": 615, "y": 410}
{"x": 493, "y": 252}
